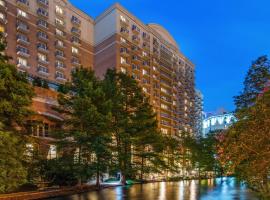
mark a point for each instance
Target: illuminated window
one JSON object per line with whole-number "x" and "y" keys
{"x": 22, "y": 62}
{"x": 164, "y": 106}
{"x": 59, "y": 10}
{"x": 52, "y": 152}
{"x": 154, "y": 68}
{"x": 21, "y": 13}
{"x": 123, "y": 70}
{"x": 2, "y": 29}
{"x": 42, "y": 57}
{"x": 123, "y": 40}
{"x": 123, "y": 60}
{"x": 59, "y": 32}
{"x": 144, "y": 53}
{"x": 164, "y": 131}
{"x": 75, "y": 50}
{"x": 123, "y": 19}
{"x": 59, "y": 21}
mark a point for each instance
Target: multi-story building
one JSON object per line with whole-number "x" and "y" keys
{"x": 48, "y": 38}
{"x": 151, "y": 56}
{"x": 218, "y": 122}
{"x": 198, "y": 113}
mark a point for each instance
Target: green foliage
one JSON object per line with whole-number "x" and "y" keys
{"x": 15, "y": 93}
{"x": 87, "y": 120}
{"x": 245, "y": 146}
{"x": 254, "y": 83}
{"x": 39, "y": 82}
{"x": 12, "y": 171}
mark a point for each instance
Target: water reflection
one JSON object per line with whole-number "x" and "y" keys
{"x": 215, "y": 189}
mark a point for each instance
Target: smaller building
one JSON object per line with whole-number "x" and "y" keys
{"x": 218, "y": 122}
{"x": 198, "y": 113}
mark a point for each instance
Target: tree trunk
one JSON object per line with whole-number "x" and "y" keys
{"x": 123, "y": 179}
{"x": 98, "y": 179}
{"x": 142, "y": 168}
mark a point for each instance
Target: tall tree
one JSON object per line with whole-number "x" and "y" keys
{"x": 133, "y": 122}
{"x": 255, "y": 81}
{"x": 87, "y": 119}
{"x": 15, "y": 98}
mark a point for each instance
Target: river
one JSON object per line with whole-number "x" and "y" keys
{"x": 215, "y": 189}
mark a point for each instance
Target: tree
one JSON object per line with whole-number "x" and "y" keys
{"x": 255, "y": 81}
{"x": 15, "y": 99}
{"x": 87, "y": 118}
{"x": 15, "y": 94}
{"x": 245, "y": 146}
{"x": 12, "y": 155}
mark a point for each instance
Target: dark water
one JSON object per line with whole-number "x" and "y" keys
{"x": 228, "y": 189}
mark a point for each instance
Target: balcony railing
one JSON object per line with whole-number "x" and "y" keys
{"x": 22, "y": 27}
{"x": 42, "y": 13}
{"x": 23, "y": 3}
{"x": 23, "y": 40}
{"x": 3, "y": 5}
{"x": 75, "y": 21}
{"x": 23, "y": 52}
{"x": 43, "y": 2}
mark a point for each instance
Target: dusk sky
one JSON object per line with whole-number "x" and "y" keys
{"x": 221, "y": 37}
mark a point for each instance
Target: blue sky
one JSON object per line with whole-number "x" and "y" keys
{"x": 221, "y": 37}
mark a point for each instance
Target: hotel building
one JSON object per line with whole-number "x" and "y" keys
{"x": 151, "y": 56}
{"x": 49, "y": 38}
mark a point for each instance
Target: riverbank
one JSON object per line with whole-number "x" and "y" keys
{"x": 52, "y": 193}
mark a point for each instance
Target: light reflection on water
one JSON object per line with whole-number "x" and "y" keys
{"x": 214, "y": 189}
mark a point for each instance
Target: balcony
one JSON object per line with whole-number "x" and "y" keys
{"x": 23, "y": 4}
{"x": 45, "y": 62}
{"x": 60, "y": 78}
{"x": 59, "y": 45}
{"x": 43, "y": 49}
{"x": 43, "y": 24}
{"x": 42, "y": 13}
{"x": 146, "y": 37}
{"x": 23, "y": 40}
{"x": 76, "y": 31}
{"x": 136, "y": 39}
{"x": 125, "y": 64}
{"x": 136, "y": 60}
{"x": 43, "y": 72}
{"x": 44, "y": 3}
{"x": 75, "y": 41}
{"x": 3, "y": 20}
{"x": 3, "y": 5}
{"x": 76, "y": 21}
{"x": 43, "y": 36}
{"x": 136, "y": 29}
{"x": 146, "y": 46}
{"x": 23, "y": 52}
{"x": 60, "y": 24}
{"x": 124, "y": 52}
{"x": 135, "y": 49}
{"x": 23, "y": 28}
{"x": 60, "y": 65}
{"x": 60, "y": 34}
{"x": 60, "y": 56}
{"x": 75, "y": 61}
{"x": 124, "y": 31}
{"x": 124, "y": 21}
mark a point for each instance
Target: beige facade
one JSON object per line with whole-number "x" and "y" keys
{"x": 150, "y": 55}
{"x": 48, "y": 38}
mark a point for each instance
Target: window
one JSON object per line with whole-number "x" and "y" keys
{"x": 42, "y": 57}
{"x": 42, "y": 46}
{"x": 164, "y": 131}
{"x": 75, "y": 30}
{"x": 59, "y": 43}
{"x": 75, "y": 50}
{"x": 75, "y": 40}
{"x": 163, "y": 90}
{"x": 2, "y": 16}
{"x": 59, "y": 75}
{"x": 2, "y": 3}
{"x": 21, "y": 13}
{"x": 154, "y": 68}
{"x": 22, "y": 50}
{"x": 75, "y": 61}
{"x": 123, "y": 19}
{"x": 42, "y": 35}
{"x": 59, "y": 10}
{"x": 60, "y": 53}
{"x": 43, "y": 69}
{"x": 164, "y": 106}
{"x": 75, "y": 20}
{"x": 123, "y": 70}
{"x": 2, "y": 29}
{"x": 123, "y": 60}
{"x": 22, "y": 37}
{"x": 59, "y": 32}
{"x": 44, "y": 2}
{"x": 144, "y": 72}
{"x": 42, "y": 23}
{"x": 22, "y": 62}
{"x": 59, "y": 64}
{"x": 123, "y": 40}
{"x": 42, "y": 12}
{"x": 144, "y": 53}
{"x": 59, "y": 22}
